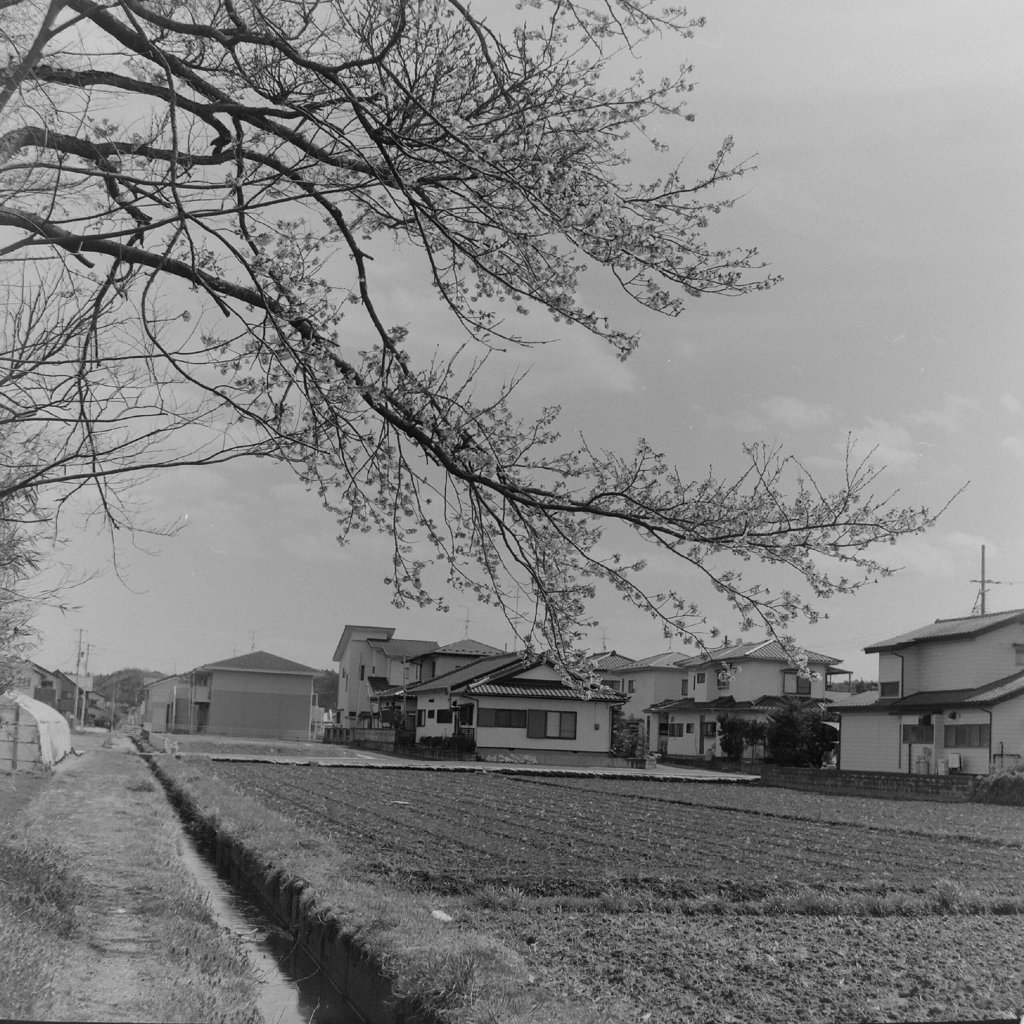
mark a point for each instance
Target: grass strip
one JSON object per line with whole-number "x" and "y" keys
{"x": 100, "y": 919}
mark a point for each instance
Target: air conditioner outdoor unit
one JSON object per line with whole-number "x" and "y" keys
{"x": 956, "y": 762}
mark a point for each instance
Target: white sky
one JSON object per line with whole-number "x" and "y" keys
{"x": 888, "y": 195}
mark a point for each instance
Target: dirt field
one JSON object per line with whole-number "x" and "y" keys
{"x": 660, "y": 903}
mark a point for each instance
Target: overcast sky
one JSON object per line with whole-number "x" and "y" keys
{"x": 888, "y": 195}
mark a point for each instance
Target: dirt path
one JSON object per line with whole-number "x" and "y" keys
{"x": 141, "y": 945}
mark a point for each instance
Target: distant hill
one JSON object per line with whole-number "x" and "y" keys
{"x": 126, "y": 686}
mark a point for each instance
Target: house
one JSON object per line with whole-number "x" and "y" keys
{"x": 748, "y": 680}
{"x": 371, "y": 660}
{"x": 395, "y": 706}
{"x": 376, "y": 671}
{"x": 951, "y": 698}
{"x": 519, "y": 704}
{"x": 643, "y": 681}
{"x": 257, "y": 695}
{"x": 52, "y": 688}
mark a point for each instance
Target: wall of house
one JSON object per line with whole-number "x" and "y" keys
{"x": 430, "y": 704}
{"x": 870, "y": 742}
{"x": 956, "y": 664}
{"x": 160, "y": 696}
{"x": 890, "y": 670}
{"x": 754, "y": 679}
{"x": 650, "y": 686}
{"x": 1008, "y": 732}
{"x": 355, "y": 663}
{"x": 264, "y": 705}
{"x": 593, "y": 729}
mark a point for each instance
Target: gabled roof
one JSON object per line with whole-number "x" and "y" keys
{"x": 500, "y": 677}
{"x": 670, "y": 659}
{"x": 759, "y": 650}
{"x": 466, "y": 647}
{"x": 259, "y": 661}
{"x": 609, "y": 661}
{"x": 966, "y": 627}
{"x": 497, "y": 664}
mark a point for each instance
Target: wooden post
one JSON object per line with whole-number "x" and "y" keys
{"x": 14, "y": 745}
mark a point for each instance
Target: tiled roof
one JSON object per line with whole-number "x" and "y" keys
{"x": 467, "y": 646}
{"x": 855, "y": 700}
{"x": 722, "y": 704}
{"x": 540, "y": 688}
{"x": 513, "y": 662}
{"x": 949, "y": 629}
{"x": 609, "y": 661}
{"x": 760, "y": 650}
{"x": 670, "y": 659}
{"x": 260, "y": 661}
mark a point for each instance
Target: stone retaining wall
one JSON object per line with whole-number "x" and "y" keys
{"x": 885, "y": 785}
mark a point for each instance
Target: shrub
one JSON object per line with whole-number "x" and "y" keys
{"x": 1002, "y": 787}
{"x": 797, "y": 735}
{"x": 732, "y": 736}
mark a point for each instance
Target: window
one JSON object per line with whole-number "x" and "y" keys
{"x": 664, "y": 729}
{"x": 686, "y": 686}
{"x": 710, "y": 729}
{"x": 891, "y": 689}
{"x": 444, "y": 717}
{"x": 362, "y": 671}
{"x": 466, "y": 714}
{"x": 1018, "y": 654}
{"x": 552, "y": 725}
{"x": 723, "y": 680}
{"x": 699, "y": 681}
{"x": 923, "y": 732}
{"x": 430, "y": 713}
{"x": 421, "y": 718}
{"x": 676, "y": 729}
{"x": 631, "y": 686}
{"x": 803, "y": 685}
{"x": 501, "y": 718}
{"x": 689, "y": 727}
{"x": 966, "y": 735}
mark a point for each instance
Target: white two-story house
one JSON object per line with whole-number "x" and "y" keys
{"x": 748, "y": 680}
{"x": 951, "y": 699}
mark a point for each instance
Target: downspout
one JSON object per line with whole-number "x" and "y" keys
{"x": 899, "y": 725}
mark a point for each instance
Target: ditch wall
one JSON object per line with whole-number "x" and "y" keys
{"x": 883, "y": 785}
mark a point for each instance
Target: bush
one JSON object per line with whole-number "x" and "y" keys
{"x": 797, "y": 735}
{"x": 1002, "y": 787}
{"x": 626, "y": 739}
{"x": 732, "y": 736}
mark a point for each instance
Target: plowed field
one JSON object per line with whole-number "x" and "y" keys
{"x": 456, "y": 832}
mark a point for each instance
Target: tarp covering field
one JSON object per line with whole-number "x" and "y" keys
{"x": 32, "y": 734}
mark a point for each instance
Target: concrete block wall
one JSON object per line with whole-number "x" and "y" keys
{"x": 883, "y": 785}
